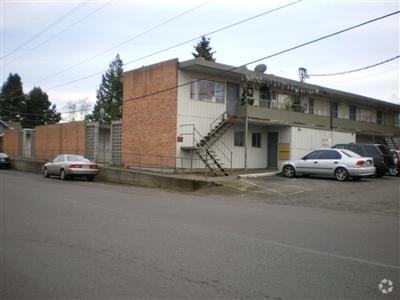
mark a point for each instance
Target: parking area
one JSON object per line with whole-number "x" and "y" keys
{"x": 369, "y": 195}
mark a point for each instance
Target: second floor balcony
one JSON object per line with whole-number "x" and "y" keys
{"x": 275, "y": 113}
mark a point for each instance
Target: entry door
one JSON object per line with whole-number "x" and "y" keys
{"x": 232, "y": 98}
{"x": 272, "y": 159}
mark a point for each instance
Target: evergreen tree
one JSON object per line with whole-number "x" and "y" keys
{"x": 12, "y": 99}
{"x": 109, "y": 94}
{"x": 39, "y": 110}
{"x": 203, "y": 49}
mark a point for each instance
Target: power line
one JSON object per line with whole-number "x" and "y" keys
{"x": 45, "y": 29}
{"x": 124, "y": 42}
{"x": 215, "y": 31}
{"x": 263, "y": 58}
{"x": 366, "y": 76}
{"x": 322, "y": 38}
{"x": 356, "y": 70}
{"x": 62, "y": 31}
{"x": 182, "y": 43}
{"x": 272, "y": 55}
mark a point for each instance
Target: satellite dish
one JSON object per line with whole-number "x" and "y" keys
{"x": 260, "y": 68}
{"x": 303, "y": 75}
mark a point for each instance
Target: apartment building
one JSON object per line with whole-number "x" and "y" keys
{"x": 202, "y": 114}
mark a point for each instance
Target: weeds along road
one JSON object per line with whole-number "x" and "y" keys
{"x": 89, "y": 240}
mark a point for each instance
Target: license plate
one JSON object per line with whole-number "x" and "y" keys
{"x": 85, "y": 166}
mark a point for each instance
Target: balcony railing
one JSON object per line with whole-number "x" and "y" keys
{"x": 285, "y": 113}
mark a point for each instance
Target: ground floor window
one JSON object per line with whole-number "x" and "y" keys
{"x": 238, "y": 139}
{"x": 256, "y": 140}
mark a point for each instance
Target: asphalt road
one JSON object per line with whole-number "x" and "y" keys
{"x": 88, "y": 240}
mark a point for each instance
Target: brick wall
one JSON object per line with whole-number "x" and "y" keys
{"x": 150, "y": 114}
{"x": 51, "y": 140}
{"x": 11, "y": 142}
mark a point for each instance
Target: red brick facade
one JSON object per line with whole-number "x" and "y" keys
{"x": 51, "y": 140}
{"x": 149, "y": 122}
{"x": 11, "y": 142}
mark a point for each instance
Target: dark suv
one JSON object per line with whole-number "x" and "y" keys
{"x": 368, "y": 150}
{"x": 388, "y": 156}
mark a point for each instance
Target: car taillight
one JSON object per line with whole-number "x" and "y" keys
{"x": 93, "y": 167}
{"x": 360, "y": 163}
{"x": 75, "y": 166}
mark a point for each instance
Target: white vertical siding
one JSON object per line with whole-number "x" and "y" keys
{"x": 199, "y": 113}
{"x": 305, "y": 140}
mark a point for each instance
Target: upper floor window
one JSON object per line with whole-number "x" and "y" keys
{"x": 353, "y": 112}
{"x": 379, "y": 117}
{"x": 335, "y": 109}
{"x": 207, "y": 90}
{"x": 397, "y": 120}
{"x": 310, "y": 106}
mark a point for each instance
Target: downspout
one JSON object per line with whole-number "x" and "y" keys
{"x": 245, "y": 140}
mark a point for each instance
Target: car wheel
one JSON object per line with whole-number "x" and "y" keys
{"x": 45, "y": 173}
{"x": 289, "y": 171}
{"x": 90, "y": 177}
{"x": 341, "y": 174}
{"x": 63, "y": 176}
{"x": 393, "y": 171}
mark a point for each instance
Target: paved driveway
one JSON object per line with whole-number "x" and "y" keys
{"x": 370, "y": 195}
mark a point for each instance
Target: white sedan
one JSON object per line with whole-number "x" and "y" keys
{"x": 337, "y": 163}
{"x": 70, "y": 165}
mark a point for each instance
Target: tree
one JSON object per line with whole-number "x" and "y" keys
{"x": 12, "y": 99}
{"x": 109, "y": 94}
{"x": 76, "y": 110}
{"x": 203, "y": 49}
{"x": 39, "y": 110}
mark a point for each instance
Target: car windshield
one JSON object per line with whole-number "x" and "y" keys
{"x": 3, "y": 155}
{"x": 350, "y": 153}
{"x": 76, "y": 158}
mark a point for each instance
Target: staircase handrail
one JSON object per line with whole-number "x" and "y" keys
{"x": 221, "y": 117}
{"x": 196, "y": 142}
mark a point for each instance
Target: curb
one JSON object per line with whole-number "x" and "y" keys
{"x": 246, "y": 176}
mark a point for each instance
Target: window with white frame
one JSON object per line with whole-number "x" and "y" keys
{"x": 335, "y": 110}
{"x": 353, "y": 112}
{"x": 397, "y": 120}
{"x": 238, "y": 139}
{"x": 311, "y": 106}
{"x": 379, "y": 117}
{"x": 207, "y": 90}
{"x": 256, "y": 140}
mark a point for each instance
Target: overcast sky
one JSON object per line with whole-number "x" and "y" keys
{"x": 65, "y": 46}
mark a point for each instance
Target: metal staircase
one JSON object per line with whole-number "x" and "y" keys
{"x": 393, "y": 142}
{"x": 210, "y": 148}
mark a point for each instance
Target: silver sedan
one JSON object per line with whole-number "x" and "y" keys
{"x": 338, "y": 163}
{"x": 70, "y": 165}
